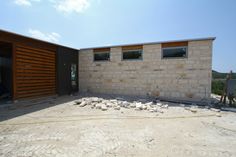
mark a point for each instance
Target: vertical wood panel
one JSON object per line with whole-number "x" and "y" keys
{"x": 14, "y": 71}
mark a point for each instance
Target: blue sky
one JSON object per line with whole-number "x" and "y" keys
{"x": 89, "y": 23}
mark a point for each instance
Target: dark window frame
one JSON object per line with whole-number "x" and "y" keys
{"x": 134, "y": 59}
{"x": 94, "y": 53}
{"x": 169, "y": 48}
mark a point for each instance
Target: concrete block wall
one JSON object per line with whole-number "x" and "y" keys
{"x": 186, "y": 78}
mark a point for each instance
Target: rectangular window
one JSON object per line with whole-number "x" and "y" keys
{"x": 132, "y": 54}
{"x": 102, "y": 56}
{"x": 174, "y": 52}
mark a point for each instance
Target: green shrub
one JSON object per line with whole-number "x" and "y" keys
{"x": 217, "y": 87}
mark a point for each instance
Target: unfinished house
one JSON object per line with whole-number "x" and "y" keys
{"x": 173, "y": 69}
{"x": 31, "y": 68}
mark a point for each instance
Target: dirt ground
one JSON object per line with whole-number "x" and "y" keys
{"x": 57, "y": 127}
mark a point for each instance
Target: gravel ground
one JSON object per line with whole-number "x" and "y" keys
{"x": 58, "y": 127}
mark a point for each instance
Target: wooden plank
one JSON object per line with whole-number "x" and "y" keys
{"x": 36, "y": 91}
{"x": 132, "y": 47}
{"x": 34, "y": 95}
{"x": 35, "y": 71}
{"x": 35, "y": 87}
{"x": 35, "y": 54}
{"x": 35, "y": 78}
{"x": 35, "y": 81}
{"x": 35, "y": 50}
{"x": 33, "y": 75}
{"x": 33, "y": 68}
{"x": 35, "y": 58}
{"x": 21, "y": 59}
{"x": 174, "y": 44}
{"x": 22, "y": 65}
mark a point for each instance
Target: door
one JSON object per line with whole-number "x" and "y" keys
{"x": 67, "y": 71}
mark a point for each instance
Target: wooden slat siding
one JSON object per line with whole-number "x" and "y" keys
{"x": 102, "y": 50}
{"x": 35, "y": 72}
{"x": 132, "y": 47}
{"x": 32, "y": 66}
{"x": 174, "y": 44}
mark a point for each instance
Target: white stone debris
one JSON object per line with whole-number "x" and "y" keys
{"x": 118, "y": 104}
{"x": 104, "y": 107}
{"x": 132, "y": 105}
{"x": 77, "y": 102}
{"x": 98, "y": 106}
{"x": 108, "y": 104}
{"x": 83, "y": 104}
{"x": 124, "y": 104}
{"x": 117, "y": 107}
{"x": 182, "y": 105}
{"x": 139, "y": 106}
{"x": 165, "y": 106}
{"x": 215, "y": 110}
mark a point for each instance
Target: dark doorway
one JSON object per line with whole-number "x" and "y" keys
{"x": 67, "y": 71}
{"x": 5, "y": 71}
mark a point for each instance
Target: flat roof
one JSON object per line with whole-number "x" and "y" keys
{"x": 151, "y": 43}
{"x": 1, "y": 30}
{"x": 110, "y": 46}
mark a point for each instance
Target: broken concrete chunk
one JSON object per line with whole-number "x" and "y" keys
{"x": 165, "y": 106}
{"x": 98, "y": 106}
{"x": 182, "y": 105}
{"x": 158, "y": 104}
{"x": 124, "y": 104}
{"x": 77, "y": 102}
{"x": 149, "y": 103}
{"x": 132, "y": 105}
{"x": 117, "y": 108}
{"x": 139, "y": 106}
{"x": 215, "y": 110}
{"x": 96, "y": 100}
{"x": 109, "y": 104}
{"x": 104, "y": 107}
{"x": 83, "y": 104}
{"x": 194, "y": 110}
{"x": 218, "y": 114}
{"x": 144, "y": 107}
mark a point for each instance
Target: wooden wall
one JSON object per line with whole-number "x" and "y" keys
{"x": 34, "y": 66}
{"x": 35, "y": 72}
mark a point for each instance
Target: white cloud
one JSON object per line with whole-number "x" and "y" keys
{"x": 51, "y": 37}
{"x": 25, "y": 2}
{"x": 69, "y": 6}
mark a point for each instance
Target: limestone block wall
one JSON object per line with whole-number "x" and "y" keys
{"x": 176, "y": 78}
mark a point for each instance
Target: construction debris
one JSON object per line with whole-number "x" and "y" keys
{"x": 117, "y": 104}
{"x": 138, "y": 105}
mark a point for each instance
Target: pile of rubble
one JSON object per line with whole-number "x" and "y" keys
{"x": 118, "y": 103}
